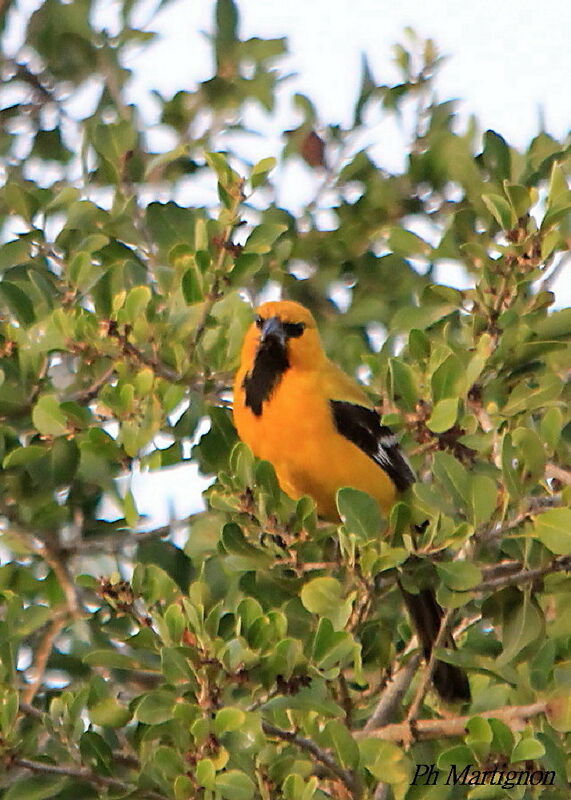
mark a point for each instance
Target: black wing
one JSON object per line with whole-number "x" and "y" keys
{"x": 362, "y": 426}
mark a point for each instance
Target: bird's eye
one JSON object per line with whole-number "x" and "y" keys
{"x": 294, "y": 330}
{"x": 259, "y": 322}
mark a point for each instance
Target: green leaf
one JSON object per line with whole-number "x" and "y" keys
{"x": 558, "y": 184}
{"x": 418, "y": 345}
{"x": 460, "y": 576}
{"x": 36, "y": 787}
{"x": 527, "y": 398}
{"x": 551, "y": 426}
{"x": 48, "y": 417}
{"x": 559, "y": 712}
{"x": 228, "y": 719}
{"x": 360, "y": 513}
{"x": 109, "y": 713}
{"x": 109, "y": 658}
{"x": 22, "y": 456}
{"x": 527, "y": 749}
{"x": 175, "y": 665}
{"x": 113, "y": 141}
{"x": 482, "y": 496}
{"x": 444, "y": 415}
{"x": 562, "y": 674}
{"x": 155, "y": 707}
{"x": 479, "y": 737}
{"x": 192, "y": 286}
{"x": 496, "y": 155}
{"x": 18, "y": 303}
{"x": 448, "y": 379}
{"x": 520, "y": 197}
{"x": 404, "y": 389}
{"x": 531, "y": 453}
{"x": 64, "y": 457}
{"x": 324, "y": 596}
{"x": 508, "y": 458}
{"x": 235, "y": 785}
{"x": 406, "y": 243}
{"x": 137, "y": 300}
{"x": 95, "y": 751}
{"x": 336, "y": 737}
{"x": 14, "y": 252}
{"x": 205, "y": 774}
{"x": 235, "y": 544}
{"x": 501, "y": 210}
{"x": 555, "y": 758}
{"x": 553, "y": 529}
{"x": 32, "y": 618}
{"x": 453, "y": 476}
{"x": 263, "y": 237}
{"x": 9, "y": 709}
{"x": 261, "y": 170}
{"x": 523, "y": 627}
{"x": 384, "y": 760}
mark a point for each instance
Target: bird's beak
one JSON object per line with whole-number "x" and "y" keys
{"x": 273, "y": 329}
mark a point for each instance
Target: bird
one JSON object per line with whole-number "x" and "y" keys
{"x": 297, "y": 409}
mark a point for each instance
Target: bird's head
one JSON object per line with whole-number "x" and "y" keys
{"x": 282, "y": 336}
{"x": 286, "y": 327}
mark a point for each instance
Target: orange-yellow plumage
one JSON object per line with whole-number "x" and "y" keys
{"x": 296, "y": 430}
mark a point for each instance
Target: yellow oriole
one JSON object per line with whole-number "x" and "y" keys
{"x": 298, "y": 410}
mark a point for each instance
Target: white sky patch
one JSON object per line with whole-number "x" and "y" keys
{"x": 161, "y": 495}
{"x": 452, "y": 273}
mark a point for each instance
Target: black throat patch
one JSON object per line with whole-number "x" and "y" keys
{"x": 269, "y": 365}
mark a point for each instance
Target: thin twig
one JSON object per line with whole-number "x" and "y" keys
{"x": 42, "y": 655}
{"x": 30, "y": 711}
{"x": 159, "y": 369}
{"x": 82, "y": 774}
{"x": 346, "y": 777}
{"x": 381, "y": 792}
{"x": 514, "y": 574}
{"x": 214, "y": 294}
{"x": 537, "y": 505}
{"x": 62, "y": 574}
{"x": 560, "y": 474}
{"x": 91, "y": 391}
{"x": 515, "y": 717}
{"x": 393, "y": 693}
{"x": 429, "y": 668}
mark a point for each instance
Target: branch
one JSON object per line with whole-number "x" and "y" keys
{"x": 345, "y": 776}
{"x": 42, "y": 655}
{"x": 537, "y": 505}
{"x": 90, "y": 392}
{"x": 393, "y": 693}
{"x": 61, "y": 572}
{"x": 30, "y": 711}
{"x": 511, "y": 573}
{"x": 560, "y": 474}
{"x": 382, "y": 791}
{"x": 515, "y": 717}
{"x": 429, "y": 667}
{"x": 82, "y": 774}
{"x": 224, "y": 248}
{"x": 152, "y": 362}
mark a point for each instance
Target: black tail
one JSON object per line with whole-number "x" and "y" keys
{"x": 450, "y": 682}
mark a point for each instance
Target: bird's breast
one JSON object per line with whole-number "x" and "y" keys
{"x": 296, "y": 433}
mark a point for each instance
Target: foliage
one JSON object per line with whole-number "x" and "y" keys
{"x": 251, "y": 661}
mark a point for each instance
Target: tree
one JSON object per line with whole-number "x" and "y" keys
{"x": 270, "y": 657}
